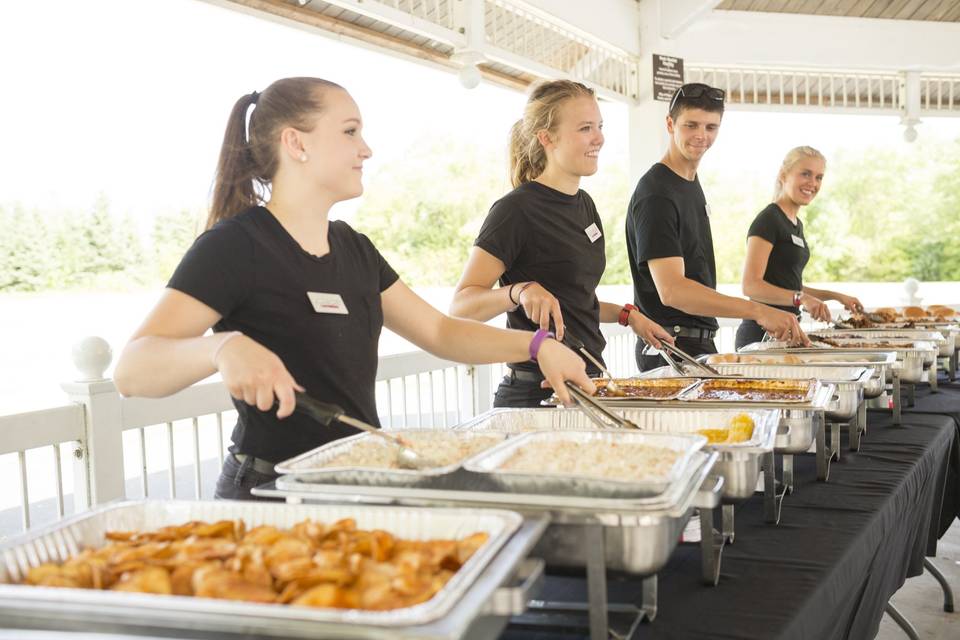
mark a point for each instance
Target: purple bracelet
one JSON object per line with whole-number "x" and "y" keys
{"x": 537, "y": 342}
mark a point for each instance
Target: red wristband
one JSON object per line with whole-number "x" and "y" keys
{"x": 796, "y": 298}
{"x": 537, "y": 342}
{"x": 625, "y": 314}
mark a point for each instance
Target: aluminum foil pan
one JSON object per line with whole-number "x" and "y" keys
{"x": 490, "y": 462}
{"x": 695, "y": 394}
{"x": 310, "y": 467}
{"x": 69, "y": 536}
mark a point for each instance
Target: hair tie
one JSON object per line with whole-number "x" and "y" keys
{"x": 254, "y": 97}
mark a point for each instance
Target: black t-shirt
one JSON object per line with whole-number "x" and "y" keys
{"x": 256, "y": 276}
{"x": 790, "y": 252}
{"x": 541, "y": 235}
{"x": 668, "y": 217}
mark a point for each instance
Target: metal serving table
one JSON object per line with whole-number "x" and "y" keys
{"x": 636, "y": 536}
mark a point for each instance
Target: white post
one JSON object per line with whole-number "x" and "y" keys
{"x": 647, "y": 117}
{"x": 98, "y": 468}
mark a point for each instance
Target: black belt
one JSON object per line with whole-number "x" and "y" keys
{"x": 525, "y": 376}
{"x": 259, "y": 464}
{"x": 687, "y": 332}
{"x": 536, "y": 376}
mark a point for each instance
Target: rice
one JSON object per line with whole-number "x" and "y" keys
{"x": 442, "y": 447}
{"x": 608, "y": 460}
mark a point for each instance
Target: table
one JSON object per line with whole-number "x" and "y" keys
{"x": 840, "y": 552}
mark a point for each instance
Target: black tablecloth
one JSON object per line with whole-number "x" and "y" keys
{"x": 840, "y": 552}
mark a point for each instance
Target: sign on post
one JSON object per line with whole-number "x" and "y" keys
{"x": 667, "y": 76}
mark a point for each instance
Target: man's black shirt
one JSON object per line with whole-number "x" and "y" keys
{"x": 667, "y": 217}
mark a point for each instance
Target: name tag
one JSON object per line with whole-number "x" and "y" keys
{"x": 327, "y": 303}
{"x": 707, "y": 207}
{"x": 797, "y": 240}
{"x": 593, "y": 232}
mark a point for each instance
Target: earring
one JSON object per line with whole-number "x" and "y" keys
{"x": 303, "y": 157}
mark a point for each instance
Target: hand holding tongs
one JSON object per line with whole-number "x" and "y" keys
{"x": 582, "y": 348}
{"x": 325, "y": 413}
{"x": 594, "y": 409}
{"x": 669, "y": 352}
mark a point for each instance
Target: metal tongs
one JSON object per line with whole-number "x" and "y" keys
{"x": 325, "y": 413}
{"x": 670, "y": 352}
{"x": 582, "y": 348}
{"x": 594, "y": 409}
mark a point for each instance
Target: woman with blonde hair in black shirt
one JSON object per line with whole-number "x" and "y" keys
{"x": 544, "y": 240}
{"x": 297, "y": 302}
{"x": 777, "y": 250}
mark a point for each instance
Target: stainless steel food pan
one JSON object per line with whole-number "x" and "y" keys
{"x": 910, "y": 357}
{"x": 945, "y": 343}
{"x": 639, "y": 535}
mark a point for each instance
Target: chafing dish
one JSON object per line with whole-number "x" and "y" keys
{"x": 849, "y": 382}
{"x": 739, "y": 463}
{"x": 911, "y": 356}
{"x": 472, "y": 592}
{"x": 880, "y": 363}
{"x": 640, "y": 533}
{"x": 945, "y": 341}
{"x": 311, "y": 465}
{"x": 491, "y": 463}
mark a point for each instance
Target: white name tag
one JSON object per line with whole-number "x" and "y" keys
{"x": 797, "y": 240}
{"x": 593, "y": 232}
{"x": 327, "y": 303}
{"x": 707, "y": 207}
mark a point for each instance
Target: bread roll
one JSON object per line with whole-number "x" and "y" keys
{"x": 914, "y": 312}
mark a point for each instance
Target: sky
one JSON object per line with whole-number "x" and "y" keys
{"x": 129, "y": 98}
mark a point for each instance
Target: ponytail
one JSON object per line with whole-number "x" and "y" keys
{"x": 248, "y": 164}
{"x": 234, "y": 188}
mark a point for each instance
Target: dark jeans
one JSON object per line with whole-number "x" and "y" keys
{"x": 520, "y": 393}
{"x": 236, "y": 479}
{"x": 693, "y": 346}
{"x": 749, "y": 331}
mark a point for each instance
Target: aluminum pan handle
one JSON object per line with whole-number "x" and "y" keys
{"x": 709, "y": 494}
{"x": 512, "y": 601}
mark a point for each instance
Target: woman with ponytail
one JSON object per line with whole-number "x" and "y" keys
{"x": 543, "y": 242}
{"x": 296, "y": 302}
{"x": 777, "y": 250}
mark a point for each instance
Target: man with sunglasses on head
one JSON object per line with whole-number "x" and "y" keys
{"x": 670, "y": 244}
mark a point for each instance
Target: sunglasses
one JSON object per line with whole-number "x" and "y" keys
{"x": 697, "y": 91}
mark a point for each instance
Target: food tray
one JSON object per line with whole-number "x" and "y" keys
{"x": 739, "y": 463}
{"x": 57, "y": 542}
{"x": 638, "y": 386}
{"x": 489, "y": 464}
{"x": 639, "y": 533}
{"x": 805, "y": 389}
{"x": 309, "y": 465}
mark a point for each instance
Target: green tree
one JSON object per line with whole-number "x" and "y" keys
{"x": 173, "y": 233}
